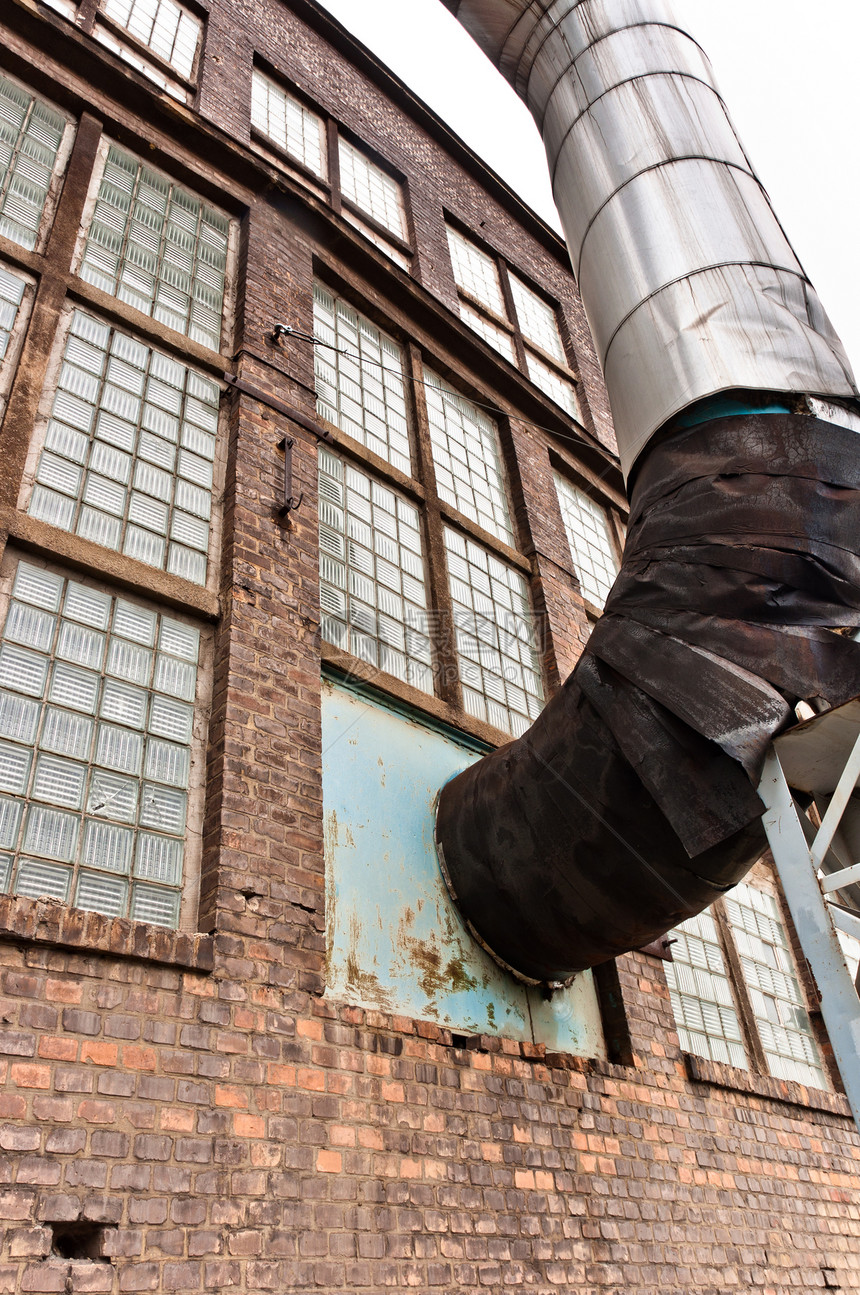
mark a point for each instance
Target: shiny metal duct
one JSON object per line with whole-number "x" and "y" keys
{"x": 630, "y": 804}
{"x": 688, "y": 281}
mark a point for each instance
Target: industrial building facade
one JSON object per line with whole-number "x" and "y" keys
{"x": 309, "y": 497}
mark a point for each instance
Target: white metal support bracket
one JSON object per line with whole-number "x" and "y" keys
{"x": 836, "y": 808}
{"x": 812, "y": 917}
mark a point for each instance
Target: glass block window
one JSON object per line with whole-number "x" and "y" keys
{"x": 11, "y": 293}
{"x": 372, "y": 591}
{"x": 552, "y": 384}
{"x": 163, "y": 26}
{"x": 125, "y": 50}
{"x": 96, "y": 716}
{"x": 771, "y": 981}
{"x": 287, "y": 121}
{"x": 360, "y": 379}
{"x": 372, "y": 189}
{"x": 495, "y": 637}
{"x": 587, "y": 528}
{"x": 12, "y": 289}
{"x": 129, "y": 451}
{"x": 466, "y": 455}
{"x": 158, "y": 247}
{"x": 701, "y": 995}
{"x": 495, "y": 337}
{"x": 476, "y": 273}
{"x": 537, "y": 320}
{"x": 30, "y": 137}
{"x": 15, "y": 305}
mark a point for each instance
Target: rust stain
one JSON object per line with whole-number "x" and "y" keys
{"x": 459, "y": 978}
{"x": 330, "y": 901}
{"x": 436, "y": 972}
{"x": 332, "y": 830}
{"x": 365, "y": 983}
{"x": 330, "y": 833}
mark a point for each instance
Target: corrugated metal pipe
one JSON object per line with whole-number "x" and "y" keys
{"x": 630, "y": 804}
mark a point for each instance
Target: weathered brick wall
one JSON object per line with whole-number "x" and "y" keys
{"x": 234, "y": 1133}
{"x": 190, "y": 1113}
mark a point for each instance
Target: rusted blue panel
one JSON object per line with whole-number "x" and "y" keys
{"x": 395, "y": 940}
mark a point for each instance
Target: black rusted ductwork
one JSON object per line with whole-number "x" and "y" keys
{"x": 630, "y": 804}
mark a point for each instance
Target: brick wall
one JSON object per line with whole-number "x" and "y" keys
{"x": 239, "y": 1133}
{"x": 188, "y": 1111}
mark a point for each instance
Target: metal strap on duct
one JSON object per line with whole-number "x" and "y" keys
{"x": 689, "y": 283}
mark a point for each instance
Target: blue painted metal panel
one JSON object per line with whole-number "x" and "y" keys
{"x": 395, "y": 940}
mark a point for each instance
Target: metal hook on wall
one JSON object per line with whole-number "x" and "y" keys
{"x": 290, "y": 505}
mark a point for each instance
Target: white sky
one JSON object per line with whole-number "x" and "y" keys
{"x": 787, "y": 70}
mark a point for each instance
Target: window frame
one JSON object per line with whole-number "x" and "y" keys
{"x": 261, "y": 67}
{"x": 403, "y": 241}
{"x": 746, "y": 990}
{"x": 446, "y": 701}
{"x": 58, "y": 173}
{"x": 730, "y": 975}
{"x": 201, "y": 705}
{"x": 43, "y": 418}
{"x": 362, "y": 363}
{"x": 413, "y": 660}
{"x": 88, "y": 15}
{"x": 18, "y": 332}
{"x": 400, "y": 249}
{"x": 758, "y": 1066}
{"x": 146, "y": 323}
{"x": 61, "y": 7}
{"x": 510, "y": 323}
{"x": 91, "y": 16}
{"x": 611, "y": 507}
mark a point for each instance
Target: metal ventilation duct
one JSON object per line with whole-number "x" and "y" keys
{"x": 630, "y": 803}
{"x": 688, "y": 281}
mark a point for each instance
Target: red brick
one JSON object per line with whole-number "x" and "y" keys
{"x": 101, "y": 1054}
{"x": 97, "y": 1112}
{"x": 58, "y": 1049}
{"x": 31, "y": 1076}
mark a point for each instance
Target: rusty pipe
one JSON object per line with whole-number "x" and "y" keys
{"x": 630, "y": 804}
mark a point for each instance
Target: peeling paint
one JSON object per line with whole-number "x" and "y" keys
{"x": 394, "y": 939}
{"x": 359, "y": 979}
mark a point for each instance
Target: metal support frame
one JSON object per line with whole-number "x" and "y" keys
{"x": 797, "y": 863}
